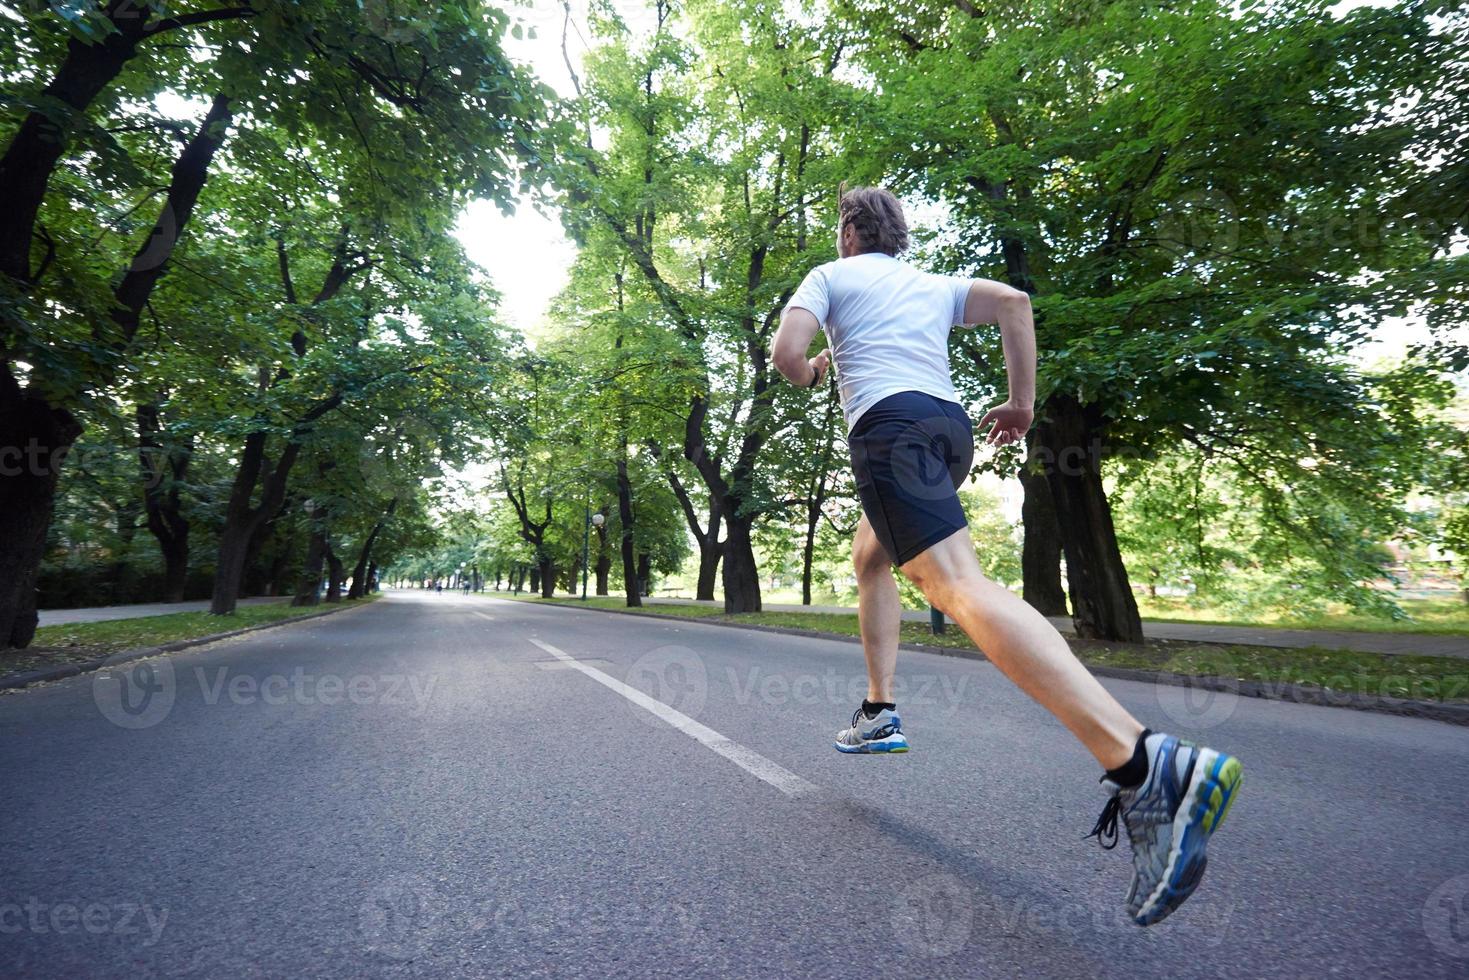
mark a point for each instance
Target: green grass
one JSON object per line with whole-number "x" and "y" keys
{"x": 76, "y": 642}
{"x": 1441, "y": 617}
{"x": 1399, "y": 676}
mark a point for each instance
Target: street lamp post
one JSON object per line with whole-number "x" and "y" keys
{"x": 593, "y": 520}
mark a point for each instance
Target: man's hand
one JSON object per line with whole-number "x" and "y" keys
{"x": 820, "y": 363}
{"x": 1007, "y": 423}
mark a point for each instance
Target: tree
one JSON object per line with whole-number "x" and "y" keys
{"x": 1185, "y": 217}
{"x": 434, "y": 88}
{"x": 706, "y": 185}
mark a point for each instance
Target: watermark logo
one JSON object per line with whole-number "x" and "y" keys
{"x": 1200, "y": 225}
{"x": 932, "y": 456}
{"x": 1203, "y": 706}
{"x": 934, "y": 916}
{"x": 399, "y": 919}
{"x": 135, "y": 695}
{"x": 674, "y": 675}
{"x": 1446, "y": 917}
{"x": 393, "y": 21}
{"x": 402, "y": 455}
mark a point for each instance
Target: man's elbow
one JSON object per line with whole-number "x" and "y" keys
{"x": 1014, "y": 300}
{"x": 789, "y": 363}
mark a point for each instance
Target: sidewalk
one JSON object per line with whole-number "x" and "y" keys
{"x": 1427, "y": 645}
{"x": 98, "y": 614}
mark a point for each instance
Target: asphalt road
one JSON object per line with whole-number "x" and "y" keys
{"x": 450, "y": 786}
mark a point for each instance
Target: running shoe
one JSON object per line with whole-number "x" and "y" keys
{"x": 883, "y": 733}
{"x": 1170, "y": 818}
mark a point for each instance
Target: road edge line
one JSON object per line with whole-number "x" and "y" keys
{"x": 1447, "y": 712}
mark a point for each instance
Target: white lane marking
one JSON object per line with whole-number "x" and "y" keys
{"x": 747, "y": 759}
{"x": 476, "y": 612}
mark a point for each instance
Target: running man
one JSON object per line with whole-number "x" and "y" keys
{"x": 912, "y": 445}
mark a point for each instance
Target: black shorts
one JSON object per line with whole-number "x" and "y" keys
{"x": 910, "y": 453}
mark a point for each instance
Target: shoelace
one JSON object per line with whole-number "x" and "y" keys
{"x": 860, "y": 716}
{"x": 1106, "y": 826}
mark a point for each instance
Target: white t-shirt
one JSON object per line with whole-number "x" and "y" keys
{"x": 888, "y": 324}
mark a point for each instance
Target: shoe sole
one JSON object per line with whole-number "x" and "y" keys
{"x": 1211, "y": 793}
{"x": 887, "y": 746}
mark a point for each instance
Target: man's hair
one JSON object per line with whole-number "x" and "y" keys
{"x": 876, "y": 216}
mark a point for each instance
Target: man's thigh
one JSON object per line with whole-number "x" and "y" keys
{"x": 951, "y": 559}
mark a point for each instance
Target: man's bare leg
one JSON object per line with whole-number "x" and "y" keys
{"x": 1026, "y": 647}
{"x": 879, "y": 612}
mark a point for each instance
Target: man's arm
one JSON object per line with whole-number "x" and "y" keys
{"x": 994, "y": 302}
{"x": 788, "y": 350}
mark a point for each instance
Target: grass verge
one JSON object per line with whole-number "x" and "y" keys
{"x": 1420, "y": 678}
{"x": 69, "y": 643}
{"x": 1438, "y": 617}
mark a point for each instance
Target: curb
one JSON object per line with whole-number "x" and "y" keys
{"x": 1449, "y": 712}
{"x": 29, "y": 677}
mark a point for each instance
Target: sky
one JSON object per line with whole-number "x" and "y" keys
{"x": 526, "y": 254}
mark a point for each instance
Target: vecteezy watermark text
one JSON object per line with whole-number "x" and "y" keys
{"x": 302, "y": 688}
{"x": 142, "y": 694}
{"x": 93, "y": 918}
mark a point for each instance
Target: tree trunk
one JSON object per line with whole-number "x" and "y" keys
{"x": 242, "y": 520}
{"x": 229, "y": 569}
{"x": 817, "y": 499}
{"x": 1040, "y": 557}
{"x": 31, "y": 157}
{"x": 741, "y": 576}
{"x": 360, "y": 574}
{"x": 808, "y": 554}
{"x": 163, "y": 469}
{"x": 175, "y": 564}
{"x": 334, "y": 583}
{"x": 710, "y": 555}
{"x": 275, "y": 572}
{"x": 547, "y": 572}
{"x": 645, "y": 574}
{"x": 630, "y": 580}
{"x": 34, "y": 441}
{"x": 1102, "y": 603}
{"x": 308, "y": 589}
{"x": 711, "y": 549}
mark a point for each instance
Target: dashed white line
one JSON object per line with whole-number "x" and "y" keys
{"x": 747, "y": 759}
